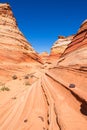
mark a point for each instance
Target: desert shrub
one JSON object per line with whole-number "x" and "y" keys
{"x": 5, "y": 88}
{"x": 27, "y": 83}
{"x": 14, "y": 77}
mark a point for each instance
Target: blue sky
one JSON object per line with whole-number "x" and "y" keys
{"x": 41, "y": 21}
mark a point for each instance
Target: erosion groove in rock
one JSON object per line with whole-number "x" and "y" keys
{"x": 47, "y": 106}
{"x": 57, "y": 117}
{"x": 81, "y": 99}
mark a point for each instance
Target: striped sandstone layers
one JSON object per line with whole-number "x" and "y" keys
{"x": 60, "y": 45}
{"x": 76, "y": 52}
{"x": 13, "y": 45}
{"x": 79, "y": 39}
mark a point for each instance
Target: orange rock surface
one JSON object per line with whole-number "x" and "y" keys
{"x": 79, "y": 39}
{"x": 13, "y": 45}
{"x": 36, "y": 96}
{"x": 60, "y": 45}
{"x": 14, "y": 48}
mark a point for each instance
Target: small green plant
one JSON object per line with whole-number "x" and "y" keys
{"x": 14, "y": 77}
{"x": 5, "y": 88}
{"x": 27, "y": 83}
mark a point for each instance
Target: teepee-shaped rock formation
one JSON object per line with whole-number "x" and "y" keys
{"x": 48, "y": 96}
{"x": 13, "y": 45}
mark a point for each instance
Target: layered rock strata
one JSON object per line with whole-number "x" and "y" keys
{"x": 41, "y": 97}
{"x": 13, "y": 44}
{"x": 60, "y": 45}
{"x": 76, "y": 52}
{"x": 79, "y": 39}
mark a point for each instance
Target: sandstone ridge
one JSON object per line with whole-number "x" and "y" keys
{"x": 76, "y": 52}
{"x": 60, "y": 45}
{"x": 79, "y": 39}
{"x": 13, "y": 44}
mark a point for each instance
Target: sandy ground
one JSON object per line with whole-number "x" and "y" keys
{"x": 44, "y": 101}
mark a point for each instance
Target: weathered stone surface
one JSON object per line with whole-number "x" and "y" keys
{"x": 79, "y": 39}
{"x": 60, "y": 45}
{"x": 41, "y": 97}
{"x": 76, "y": 52}
{"x": 83, "y": 27}
{"x": 13, "y": 45}
{"x": 44, "y": 56}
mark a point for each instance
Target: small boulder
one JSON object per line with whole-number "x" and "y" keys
{"x": 72, "y": 86}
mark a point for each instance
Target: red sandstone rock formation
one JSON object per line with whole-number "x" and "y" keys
{"x": 79, "y": 39}
{"x": 13, "y": 45}
{"x": 44, "y": 56}
{"x": 76, "y": 52}
{"x": 15, "y": 50}
{"x": 41, "y": 97}
{"x": 60, "y": 45}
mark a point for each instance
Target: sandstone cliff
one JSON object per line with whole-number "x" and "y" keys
{"x": 76, "y": 52}
{"x": 70, "y": 74}
{"x": 41, "y": 97}
{"x": 79, "y": 39}
{"x": 13, "y": 45}
{"x": 44, "y": 56}
{"x": 60, "y": 45}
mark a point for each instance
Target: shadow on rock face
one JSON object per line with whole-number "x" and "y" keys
{"x": 83, "y": 108}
